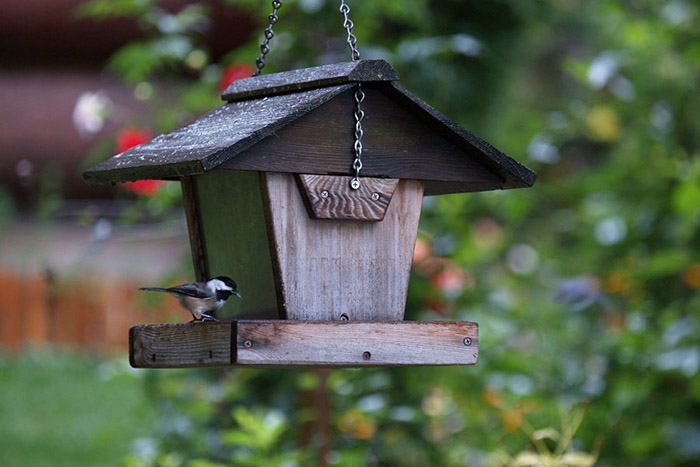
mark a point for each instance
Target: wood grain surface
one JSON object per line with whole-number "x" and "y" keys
{"x": 330, "y": 197}
{"x": 402, "y": 343}
{"x": 333, "y": 268}
{"x": 282, "y": 343}
{"x": 182, "y": 345}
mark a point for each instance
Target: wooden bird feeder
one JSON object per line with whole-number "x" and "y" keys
{"x": 324, "y": 268}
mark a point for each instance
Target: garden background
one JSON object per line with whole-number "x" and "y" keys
{"x": 586, "y": 287}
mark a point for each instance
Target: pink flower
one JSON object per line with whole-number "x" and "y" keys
{"x": 233, "y": 73}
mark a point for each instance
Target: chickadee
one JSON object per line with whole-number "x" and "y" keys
{"x": 201, "y": 298}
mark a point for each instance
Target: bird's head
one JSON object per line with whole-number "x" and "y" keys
{"x": 224, "y": 285}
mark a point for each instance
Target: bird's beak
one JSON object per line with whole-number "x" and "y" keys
{"x": 238, "y": 295}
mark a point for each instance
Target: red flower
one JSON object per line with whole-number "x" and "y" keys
{"x": 233, "y": 73}
{"x": 130, "y": 137}
{"x": 127, "y": 139}
{"x": 144, "y": 187}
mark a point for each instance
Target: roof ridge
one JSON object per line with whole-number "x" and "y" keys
{"x": 310, "y": 78}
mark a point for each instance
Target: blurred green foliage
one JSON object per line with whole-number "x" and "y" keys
{"x": 58, "y": 409}
{"x": 585, "y": 286}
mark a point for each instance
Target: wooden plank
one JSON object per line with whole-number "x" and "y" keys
{"x": 404, "y": 138}
{"x": 190, "y": 202}
{"x": 513, "y": 173}
{"x": 330, "y": 197}
{"x": 235, "y": 234}
{"x": 396, "y": 144}
{"x": 308, "y": 78}
{"x": 206, "y": 142}
{"x": 182, "y": 345}
{"x": 282, "y": 343}
{"x": 333, "y": 269}
{"x": 356, "y": 344}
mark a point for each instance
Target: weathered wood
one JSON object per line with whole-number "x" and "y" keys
{"x": 311, "y": 131}
{"x": 514, "y": 174}
{"x": 331, "y": 268}
{"x": 281, "y": 343}
{"x": 195, "y": 229}
{"x": 182, "y": 345}
{"x": 363, "y": 344}
{"x": 330, "y": 197}
{"x": 206, "y": 142}
{"x": 396, "y": 144}
{"x": 308, "y": 78}
{"x": 235, "y": 234}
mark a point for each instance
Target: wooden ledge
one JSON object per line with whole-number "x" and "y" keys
{"x": 283, "y": 343}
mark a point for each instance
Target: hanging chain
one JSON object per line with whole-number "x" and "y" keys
{"x": 359, "y": 115}
{"x": 269, "y": 34}
{"x": 348, "y": 25}
{"x": 359, "y": 97}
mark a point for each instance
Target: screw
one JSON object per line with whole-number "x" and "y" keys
{"x": 344, "y": 317}
{"x": 366, "y": 355}
{"x": 354, "y": 184}
{"x": 375, "y": 196}
{"x": 247, "y": 344}
{"x": 324, "y": 194}
{"x": 467, "y": 341}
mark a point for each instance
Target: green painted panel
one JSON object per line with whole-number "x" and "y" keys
{"x": 236, "y": 239}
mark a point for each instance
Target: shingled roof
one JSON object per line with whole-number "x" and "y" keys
{"x": 262, "y": 106}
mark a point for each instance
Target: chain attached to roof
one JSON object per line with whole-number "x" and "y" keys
{"x": 359, "y": 97}
{"x": 269, "y": 34}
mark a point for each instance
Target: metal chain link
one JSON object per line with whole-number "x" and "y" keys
{"x": 269, "y": 34}
{"x": 359, "y": 97}
{"x": 359, "y": 115}
{"x": 348, "y": 25}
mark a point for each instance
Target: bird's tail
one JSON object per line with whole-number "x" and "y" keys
{"x": 154, "y": 289}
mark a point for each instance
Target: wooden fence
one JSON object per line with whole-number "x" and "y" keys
{"x": 90, "y": 314}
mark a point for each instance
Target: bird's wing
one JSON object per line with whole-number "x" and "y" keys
{"x": 193, "y": 290}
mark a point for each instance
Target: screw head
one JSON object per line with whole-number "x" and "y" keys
{"x": 375, "y": 196}
{"x": 467, "y": 341}
{"x": 324, "y": 194}
{"x": 344, "y": 317}
{"x": 247, "y": 344}
{"x": 366, "y": 355}
{"x": 354, "y": 184}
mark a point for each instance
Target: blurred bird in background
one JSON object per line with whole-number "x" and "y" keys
{"x": 202, "y": 298}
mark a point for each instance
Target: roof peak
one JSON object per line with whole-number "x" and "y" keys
{"x": 310, "y": 78}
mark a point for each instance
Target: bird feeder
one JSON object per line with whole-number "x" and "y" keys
{"x": 272, "y": 200}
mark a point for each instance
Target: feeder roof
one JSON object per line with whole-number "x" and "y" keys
{"x": 262, "y": 106}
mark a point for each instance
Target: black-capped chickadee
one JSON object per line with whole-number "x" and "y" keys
{"x": 201, "y": 298}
